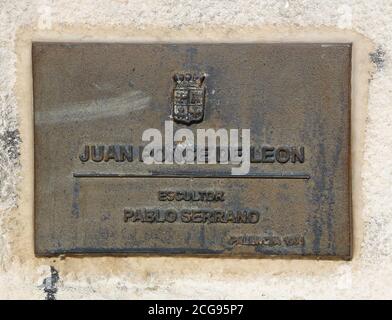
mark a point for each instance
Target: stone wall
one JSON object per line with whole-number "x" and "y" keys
{"x": 367, "y": 24}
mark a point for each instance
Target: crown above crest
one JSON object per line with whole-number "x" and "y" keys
{"x": 188, "y": 79}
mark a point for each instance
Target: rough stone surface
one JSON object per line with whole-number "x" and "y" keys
{"x": 368, "y": 24}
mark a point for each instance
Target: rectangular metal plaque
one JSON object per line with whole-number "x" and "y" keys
{"x": 96, "y": 194}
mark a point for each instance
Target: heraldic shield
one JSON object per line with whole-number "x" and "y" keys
{"x": 188, "y": 98}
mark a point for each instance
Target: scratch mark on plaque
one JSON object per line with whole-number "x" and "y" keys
{"x": 75, "y": 199}
{"x": 331, "y": 195}
{"x": 319, "y": 198}
{"x": 96, "y": 109}
{"x": 50, "y": 284}
{"x": 202, "y": 236}
{"x": 317, "y": 231}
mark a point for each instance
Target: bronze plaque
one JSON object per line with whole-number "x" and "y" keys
{"x": 95, "y": 193}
